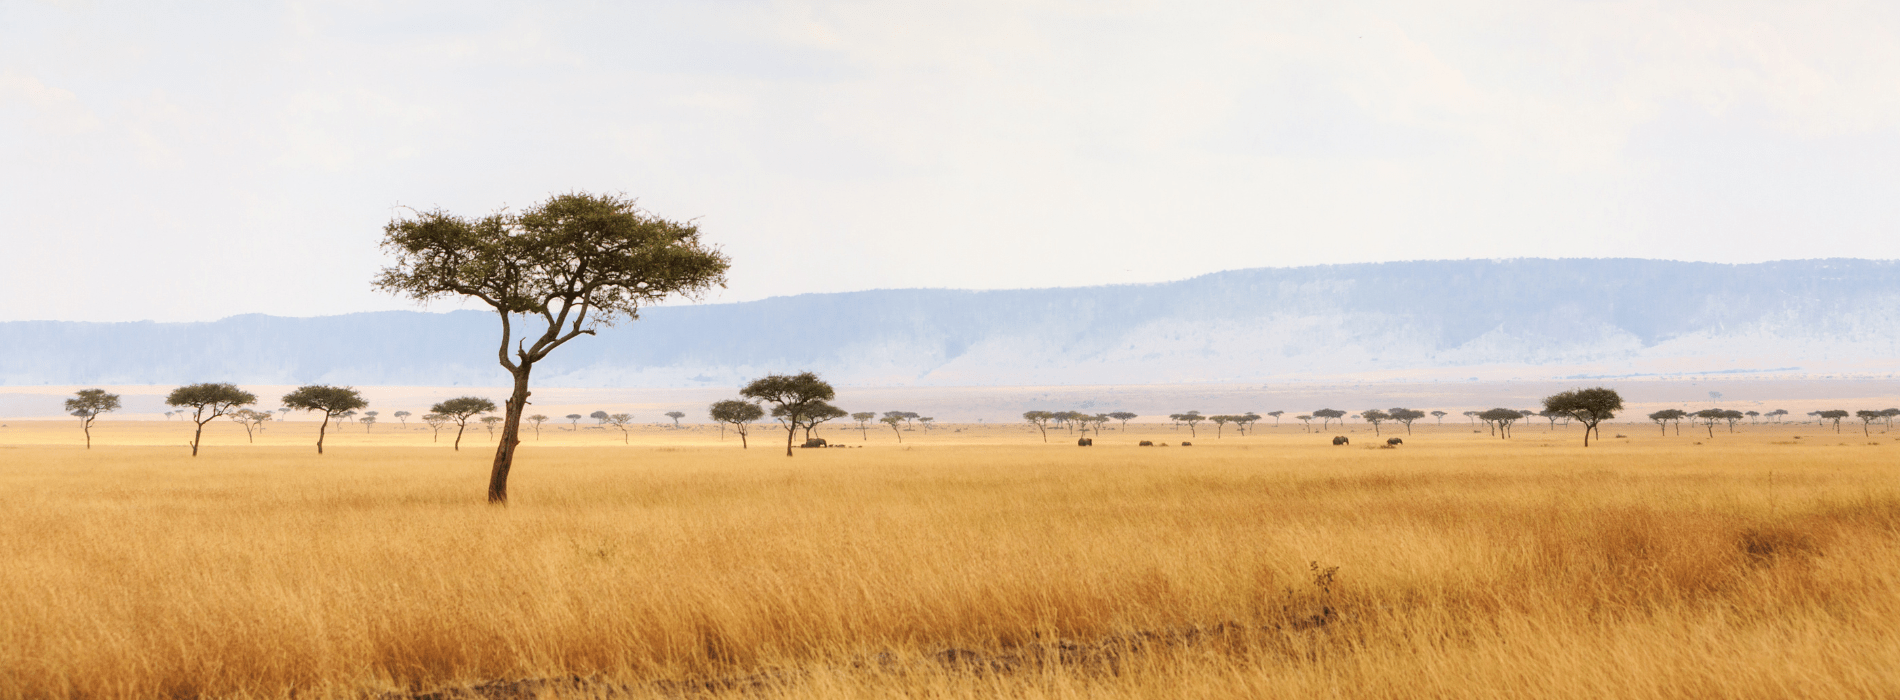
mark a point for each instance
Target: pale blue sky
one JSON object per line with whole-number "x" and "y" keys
{"x": 188, "y": 161}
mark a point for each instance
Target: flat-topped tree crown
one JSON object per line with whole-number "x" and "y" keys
{"x": 573, "y": 263}
{"x": 795, "y": 398}
{"x": 208, "y": 401}
{"x": 331, "y": 401}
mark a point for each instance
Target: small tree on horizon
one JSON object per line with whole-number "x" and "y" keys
{"x": 489, "y": 423}
{"x": 1124, "y": 417}
{"x": 207, "y": 402}
{"x": 435, "y": 421}
{"x": 1502, "y": 418}
{"x": 1276, "y": 417}
{"x": 1327, "y": 415}
{"x": 816, "y": 413}
{"x": 1406, "y": 416}
{"x": 251, "y": 420}
{"x": 1867, "y": 419}
{"x": 1440, "y": 415}
{"x": 895, "y": 419}
{"x": 1709, "y": 417}
{"x": 537, "y": 419}
{"x": 676, "y": 416}
{"x": 864, "y": 419}
{"x": 368, "y": 420}
{"x": 331, "y": 401}
{"x": 792, "y": 397}
{"x": 574, "y": 420}
{"x": 1663, "y": 417}
{"x": 617, "y": 420}
{"x": 740, "y": 414}
{"x": 1832, "y": 415}
{"x": 1588, "y": 406}
{"x": 88, "y": 404}
{"x": 458, "y": 410}
{"x": 1375, "y": 417}
{"x": 1191, "y": 418}
{"x": 1040, "y": 419}
{"x": 1306, "y": 421}
{"x": 402, "y": 418}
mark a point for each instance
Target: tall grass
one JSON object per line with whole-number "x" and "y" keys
{"x": 1269, "y": 567}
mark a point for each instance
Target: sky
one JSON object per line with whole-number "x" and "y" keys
{"x": 192, "y": 161}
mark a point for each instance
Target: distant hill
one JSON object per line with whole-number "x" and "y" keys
{"x": 1491, "y": 319}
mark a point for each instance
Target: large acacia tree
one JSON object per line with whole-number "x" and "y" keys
{"x": 1587, "y": 406}
{"x": 567, "y": 266}
{"x": 331, "y": 401}
{"x": 794, "y": 398}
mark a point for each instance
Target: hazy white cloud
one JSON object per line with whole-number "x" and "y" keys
{"x": 242, "y": 158}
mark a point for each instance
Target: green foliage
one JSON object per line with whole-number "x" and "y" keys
{"x": 459, "y": 409}
{"x": 736, "y": 412}
{"x": 330, "y": 400}
{"x": 794, "y": 398}
{"x": 1588, "y": 406}
{"x": 89, "y": 403}
{"x": 207, "y": 402}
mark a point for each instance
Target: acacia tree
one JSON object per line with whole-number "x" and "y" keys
{"x": 490, "y": 422}
{"x": 793, "y": 398}
{"x": 1305, "y": 422}
{"x": 1777, "y": 414}
{"x": 1867, "y": 419}
{"x": 332, "y": 401}
{"x": 1588, "y": 406}
{"x": 1276, "y": 417}
{"x": 537, "y": 419}
{"x": 864, "y": 420}
{"x": 618, "y": 420}
{"x": 1040, "y": 419}
{"x": 1440, "y": 415}
{"x": 1709, "y": 417}
{"x": 1220, "y": 423}
{"x": 435, "y": 421}
{"x": 1191, "y": 418}
{"x": 817, "y": 413}
{"x": 676, "y": 416}
{"x": 1663, "y": 417}
{"x": 368, "y": 420}
{"x": 1406, "y": 416}
{"x": 87, "y": 405}
{"x": 1502, "y": 418}
{"x": 1327, "y": 415}
{"x": 600, "y": 416}
{"x": 458, "y": 410}
{"x": 402, "y": 417}
{"x": 740, "y": 414}
{"x": 573, "y": 420}
{"x": 576, "y": 261}
{"x": 1375, "y": 417}
{"x": 1835, "y": 415}
{"x": 207, "y": 402}
{"x": 1124, "y": 417}
{"x": 251, "y": 420}
{"x": 891, "y": 419}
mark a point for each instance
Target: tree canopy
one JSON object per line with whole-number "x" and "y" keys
{"x": 739, "y": 414}
{"x": 793, "y": 398}
{"x": 207, "y": 402}
{"x": 458, "y": 410}
{"x": 1587, "y": 406}
{"x": 329, "y": 400}
{"x": 87, "y": 405}
{"x": 574, "y": 262}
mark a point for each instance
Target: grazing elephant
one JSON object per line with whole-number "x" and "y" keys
{"x": 816, "y": 442}
{"x": 1187, "y": 444}
{"x": 1085, "y": 442}
{"x": 1395, "y": 442}
{"x": 1341, "y": 440}
{"x": 1147, "y": 443}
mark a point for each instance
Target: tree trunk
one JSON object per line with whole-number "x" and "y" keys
{"x": 791, "y": 432}
{"x": 321, "y": 429}
{"x": 196, "y": 436}
{"x": 459, "y": 428}
{"x": 86, "y": 425}
{"x": 510, "y": 437}
{"x": 742, "y": 441}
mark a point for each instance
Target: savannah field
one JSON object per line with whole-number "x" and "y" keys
{"x": 968, "y": 561}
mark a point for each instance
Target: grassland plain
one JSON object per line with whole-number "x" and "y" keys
{"x": 979, "y": 563}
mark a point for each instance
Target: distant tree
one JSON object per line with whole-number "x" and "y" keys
{"x": 1753, "y": 416}
{"x": 927, "y": 422}
{"x": 1246, "y": 422}
{"x": 283, "y": 413}
{"x": 1276, "y": 417}
{"x": 864, "y": 419}
{"x": 738, "y": 414}
{"x": 88, "y": 405}
{"x": 1327, "y": 415}
{"x": 792, "y": 397}
{"x": 459, "y": 410}
{"x": 168, "y": 415}
{"x": 1834, "y": 415}
{"x": 818, "y": 412}
{"x": 1406, "y": 416}
{"x": 1889, "y": 414}
{"x": 1440, "y": 415}
{"x": 676, "y": 416}
{"x": 1306, "y": 421}
{"x": 331, "y": 401}
{"x": 1502, "y": 418}
{"x": 600, "y": 416}
{"x": 251, "y": 420}
{"x": 895, "y": 419}
{"x": 1709, "y": 417}
{"x": 369, "y": 419}
{"x": 1041, "y": 419}
{"x": 537, "y": 419}
{"x": 1061, "y": 419}
{"x": 1220, "y": 424}
{"x": 207, "y": 402}
{"x": 617, "y": 420}
{"x": 1375, "y": 417}
{"x": 1663, "y": 417}
{"x": 1588, "y": 406}
{"x": 1777, "y": 414}
{"x": 1191, "y": 419}
{"x": 347, "y": 416}
{"x": 1124, "y": 417}
{"x": 1867, "y": 419}
{"x": 435, "y": 421}
{"x": 1732, "y": 416}
{"x": 573, "y": 420}
{"x": 489, "y": 422}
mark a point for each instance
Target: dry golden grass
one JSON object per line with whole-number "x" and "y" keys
{"x": 1466, "y": 567}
